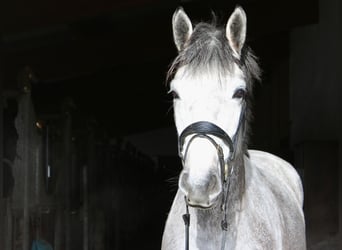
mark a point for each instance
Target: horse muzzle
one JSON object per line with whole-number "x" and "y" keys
{"x": 203, "y": 194}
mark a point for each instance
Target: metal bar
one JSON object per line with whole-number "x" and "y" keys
{"x": 68, "y": 168}
{"x": 2, "y": 202}
{"x": 85, "y": 207}
{"x": 25, "y": 103}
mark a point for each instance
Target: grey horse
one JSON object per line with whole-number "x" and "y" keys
{"x": 228, "y": 197}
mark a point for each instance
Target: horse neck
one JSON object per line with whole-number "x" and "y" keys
{"x": 208, "y": 222}
{"x": 236, "y": 186}
{"x": 235, "y": 191}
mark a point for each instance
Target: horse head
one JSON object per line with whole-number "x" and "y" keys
{"x": 211, "y": 85}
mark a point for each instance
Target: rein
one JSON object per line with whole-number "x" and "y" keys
{"x": 204, "y": 129}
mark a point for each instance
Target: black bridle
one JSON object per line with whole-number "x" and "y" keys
{"x": 205, "y": 129}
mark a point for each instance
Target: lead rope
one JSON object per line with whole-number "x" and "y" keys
{"x": 224, "y": 223}
{"x": 186, "y": 218}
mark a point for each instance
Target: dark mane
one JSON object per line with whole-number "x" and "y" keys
{"x": 208, "y": 50}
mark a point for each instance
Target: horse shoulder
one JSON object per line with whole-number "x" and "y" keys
{"x": 280, "y": 170}
{"x": 271, "y": 214}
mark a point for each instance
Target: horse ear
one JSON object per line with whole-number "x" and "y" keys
{"x": 182, "y": 28}
{"x": 236, "y": 30}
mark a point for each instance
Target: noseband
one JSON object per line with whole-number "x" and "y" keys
{"x": 203, "y": 129}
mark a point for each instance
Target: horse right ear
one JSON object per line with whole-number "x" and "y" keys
{"x": 182, "y": 28}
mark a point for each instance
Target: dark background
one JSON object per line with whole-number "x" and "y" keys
{"x": 104, "y": 64}
{"x": 111, "y": 57}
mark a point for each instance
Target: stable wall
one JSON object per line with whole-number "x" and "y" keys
{"x": 315, "y": 113}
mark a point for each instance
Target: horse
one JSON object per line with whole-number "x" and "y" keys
{"x": 228, "y": 197}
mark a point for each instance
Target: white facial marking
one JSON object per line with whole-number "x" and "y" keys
{"x": 200, "y": 163}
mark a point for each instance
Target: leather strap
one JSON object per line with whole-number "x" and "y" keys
{"x": 205, "y": 128}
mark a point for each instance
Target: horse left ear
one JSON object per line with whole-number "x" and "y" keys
{"x": 236, "y": 30}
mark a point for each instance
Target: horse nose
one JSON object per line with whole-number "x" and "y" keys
{"x": 200, "y": 193}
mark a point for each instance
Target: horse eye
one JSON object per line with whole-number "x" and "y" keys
{"x": 239, "y": 94}
{"x": 174, "y": 94}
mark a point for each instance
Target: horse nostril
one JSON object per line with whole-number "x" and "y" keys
{"x": 212, "y": 183}
{"x": 184, "y": 182}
